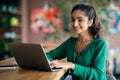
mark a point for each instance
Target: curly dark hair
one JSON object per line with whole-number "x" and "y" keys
{"x": 90, "y": 12}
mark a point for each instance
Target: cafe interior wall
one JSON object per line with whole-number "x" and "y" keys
{"x": 30, "y": 37}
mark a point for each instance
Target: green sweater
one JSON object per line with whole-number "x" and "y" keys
{"x": 91, "y": 65}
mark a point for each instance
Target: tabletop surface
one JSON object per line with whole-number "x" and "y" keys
{"x": 16, "y": 73}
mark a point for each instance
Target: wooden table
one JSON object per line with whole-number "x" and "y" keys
{"x": 16, "y": 73}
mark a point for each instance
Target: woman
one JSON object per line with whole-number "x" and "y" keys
{"x": 86, "y": 53}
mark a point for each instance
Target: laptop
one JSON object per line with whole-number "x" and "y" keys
{"x": 31, "y": 56}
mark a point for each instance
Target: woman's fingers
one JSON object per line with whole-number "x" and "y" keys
{"x": 54, "y": 63}
{"x": 66, "y": 65}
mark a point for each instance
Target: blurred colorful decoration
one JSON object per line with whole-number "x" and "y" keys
{"x": 45, "y": 20}
{"x": 114, "y": 23}
{"x": 14, "y": 21}
{"x": 9, "y": 35}
{"x": 110, "y": 18}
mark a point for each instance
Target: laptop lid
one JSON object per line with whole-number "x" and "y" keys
{"x": 30, "y": 56}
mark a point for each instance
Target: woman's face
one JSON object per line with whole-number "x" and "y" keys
{"x": 80, "y": 22}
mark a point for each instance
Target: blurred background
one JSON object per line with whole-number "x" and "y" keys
{"x": 47, "y": 22}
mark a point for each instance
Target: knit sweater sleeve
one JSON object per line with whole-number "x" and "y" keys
{"x": 59, "y": 52}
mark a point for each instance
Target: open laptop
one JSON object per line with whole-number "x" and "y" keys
{"x": 31, "y": 56}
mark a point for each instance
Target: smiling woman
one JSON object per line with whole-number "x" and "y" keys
{"x": 86, "y": 53}
{"x": 80, "y": 22}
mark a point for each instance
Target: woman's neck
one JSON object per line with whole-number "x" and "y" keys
{"x": 84, "y": 37}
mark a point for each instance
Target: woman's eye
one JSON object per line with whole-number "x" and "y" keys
{"x": 72, "y": 20}
{"x": 79, "y": 20}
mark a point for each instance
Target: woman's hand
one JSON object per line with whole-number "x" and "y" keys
{"x": 65, "y": 65}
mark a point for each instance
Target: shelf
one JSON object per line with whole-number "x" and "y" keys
{"x": 10, "y": 12}
{"x": 4, "y": 29}
{"x": 10, "y": 24}
{"x": 17, "y": 37}
{"x": 16, "y": 26}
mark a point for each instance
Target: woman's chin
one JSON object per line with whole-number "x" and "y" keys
{"x": 77, "y": 32}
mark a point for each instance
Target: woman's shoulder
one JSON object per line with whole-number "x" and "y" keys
{"x": 70, "y": 40}
{"x": 99, "y": 40}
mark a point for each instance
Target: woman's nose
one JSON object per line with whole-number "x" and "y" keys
{"x": 75, "y": 23}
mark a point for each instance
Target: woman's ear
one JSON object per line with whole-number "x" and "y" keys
{"x": 90, "y": 22}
